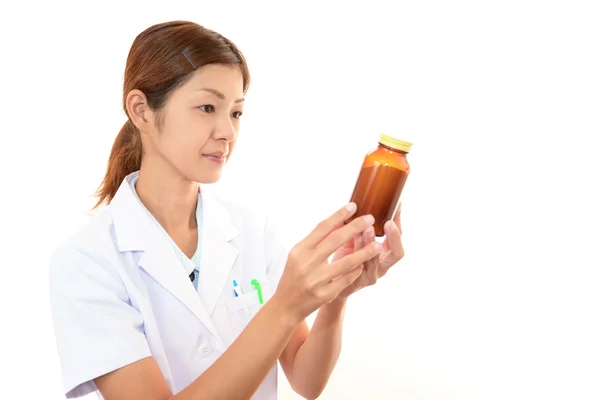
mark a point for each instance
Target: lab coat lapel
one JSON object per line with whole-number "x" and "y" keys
{"x": 136, "y": 231}
{"x": 161, "y": 262}
{"x": 218, "y": 254}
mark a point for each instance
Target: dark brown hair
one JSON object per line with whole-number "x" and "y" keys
{"x": 162, "y": 58}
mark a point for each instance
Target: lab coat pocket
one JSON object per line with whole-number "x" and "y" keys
{"x": 243, "y": 308}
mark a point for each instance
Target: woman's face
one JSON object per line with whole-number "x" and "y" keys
{"x": 199, "y": 124}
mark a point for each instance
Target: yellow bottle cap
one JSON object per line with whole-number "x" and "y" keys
{"x": 394, "y": 143}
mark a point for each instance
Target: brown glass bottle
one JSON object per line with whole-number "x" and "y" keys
{"x": 381, "y": 180}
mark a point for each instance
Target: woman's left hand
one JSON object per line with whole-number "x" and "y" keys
{"x": 378, "y": 266}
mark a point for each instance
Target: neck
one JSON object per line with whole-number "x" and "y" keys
{"x": 170, "y": 199}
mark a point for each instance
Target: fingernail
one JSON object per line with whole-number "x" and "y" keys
{"x": 369, "y": 219}
{"x": 378, "y": 247}
{"x": 351, "y": 207}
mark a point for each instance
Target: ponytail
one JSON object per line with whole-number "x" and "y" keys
{"x": 125, "y": 158}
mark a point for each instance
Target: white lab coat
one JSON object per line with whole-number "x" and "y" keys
{"x": 119, "y": 293}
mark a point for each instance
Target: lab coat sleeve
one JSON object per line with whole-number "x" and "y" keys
{"x": 96, "y": 328}
{"x": 276, "y": 253}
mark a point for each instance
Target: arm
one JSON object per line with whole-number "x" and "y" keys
{"x": 308, "y": 282}
{"x": 102, "y": 345}
{"x": 309, "y": 358}
{"x": 262, "y": 342}
{"x": 311, "y": 355}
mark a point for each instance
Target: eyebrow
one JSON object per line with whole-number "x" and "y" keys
{"x": 220, "y": 95}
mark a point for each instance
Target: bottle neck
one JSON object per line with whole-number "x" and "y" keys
{"x": 392, "y": 149}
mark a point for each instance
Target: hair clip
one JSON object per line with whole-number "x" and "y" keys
{"x": 186, "y": 56}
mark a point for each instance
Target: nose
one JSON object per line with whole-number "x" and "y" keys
{"x": 225, "y": 130}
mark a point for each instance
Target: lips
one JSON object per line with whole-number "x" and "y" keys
{"x": 218, "y": 157}
{"x": 218, "y": 154}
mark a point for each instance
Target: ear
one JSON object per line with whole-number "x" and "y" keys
{"x": 138, "y": 109}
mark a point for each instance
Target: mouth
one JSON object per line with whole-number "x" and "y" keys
{"x": 218, "y": 157}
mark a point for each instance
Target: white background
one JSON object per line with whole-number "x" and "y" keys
{"x": 498, "y": 295}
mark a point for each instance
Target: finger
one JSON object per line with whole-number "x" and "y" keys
{"x": 373, "y": 270}
{"x": 351, "y": 261}
{"x": 398, "y": 224}
{"x": 356, "y": 243}
{"x": 371, "y": 266}
{"x": 369, "y": 235}
{"x": 397, "y": 218}
{"x": 343, "y": 281}
{"x": 349, "y": 246}
{"x": 395, "y": 250}
{"x": 325, "y": 227}
{"x": 359, "y": 242}
{"x": 345, "y": 249}
{"x": 332, "y": 242}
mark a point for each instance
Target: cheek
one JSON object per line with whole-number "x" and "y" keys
{"x": 231, "y": 147}
{"x": 186, "y": 133}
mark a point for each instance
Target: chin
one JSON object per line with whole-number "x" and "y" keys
{"x": 207, "y": 177}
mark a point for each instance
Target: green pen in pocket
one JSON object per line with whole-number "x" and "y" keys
{"x": 256, "y": 285}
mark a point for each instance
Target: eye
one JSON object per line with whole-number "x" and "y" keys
{"x": 207, "y": 108}
{"x": 237, "y": 114}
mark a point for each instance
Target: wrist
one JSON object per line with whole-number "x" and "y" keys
{"x": 339, "y": 303}
{"x": 335, "y": 309}
{"x": 283, "y": 312}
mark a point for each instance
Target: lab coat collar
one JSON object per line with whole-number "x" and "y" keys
{"x": 136, "y": 232}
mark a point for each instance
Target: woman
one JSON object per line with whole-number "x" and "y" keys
{"x": 172, "y": 294}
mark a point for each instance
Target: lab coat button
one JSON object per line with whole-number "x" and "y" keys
{"x": 205, "y": 350}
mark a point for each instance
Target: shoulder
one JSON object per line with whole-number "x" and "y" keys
{"x": 88, "y": 247}
{"x": 260, "y": 225}
{"x": 89, "y": 303}
{"x": 243, "y": 217}
{"x": 262, "y": 233}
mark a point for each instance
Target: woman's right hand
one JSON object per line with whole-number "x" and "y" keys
{"x": 309, "y": 280}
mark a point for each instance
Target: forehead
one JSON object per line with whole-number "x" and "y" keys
{"x": 226, "y": 79}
